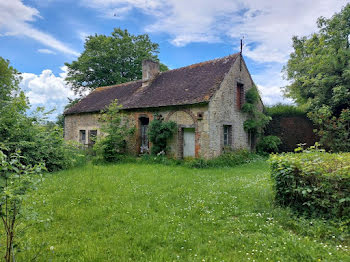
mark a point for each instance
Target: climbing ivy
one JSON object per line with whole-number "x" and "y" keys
{"x": 159, "y": 133}
{"x": 257, "y": 120}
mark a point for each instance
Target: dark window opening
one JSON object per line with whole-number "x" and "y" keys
{"x": 82, "y": 136}
{"x": 92, "y": 137}
{"x": 240, "y": 96}
{"x": 227, "y": 135}
{"x": 144, "y": 121}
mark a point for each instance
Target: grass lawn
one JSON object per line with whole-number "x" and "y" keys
{"x": 139, "y": 212}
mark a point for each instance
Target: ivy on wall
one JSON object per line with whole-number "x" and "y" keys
{"x": 159, "y": 133}
{"x": 257, "y": 120}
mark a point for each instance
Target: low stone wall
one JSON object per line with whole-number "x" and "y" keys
{"x": 292, "y": 130}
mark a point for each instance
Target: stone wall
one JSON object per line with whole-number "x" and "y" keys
{"x": 188, "y": 116}
{"x": 74, "y": 123}
{"x": 208, "y": 120}
{"x": 223, "y": 110}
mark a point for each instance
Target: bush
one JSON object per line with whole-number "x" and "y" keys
{"x": 313, "y": 182}
{"x": 334, "y": 132}
{"x": 268, "y": 144}
{"x": 280, "y": 110}
{"x": 112, "y": 146}
{"x": 228, "y": 159}
{"x": 159, "y": 133}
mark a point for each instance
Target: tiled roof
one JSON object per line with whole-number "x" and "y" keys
{"x": 183, "y": 86}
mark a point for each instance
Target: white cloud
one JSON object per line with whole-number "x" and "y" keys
{"x": 47, "y": 89}
{"x": 46, "y": 51}
{"x": 268, "y": 26}
{"x": 16, "y": 19}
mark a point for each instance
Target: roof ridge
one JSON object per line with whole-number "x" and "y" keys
{"x": 117, "y": 85}
{"x": 203, "y": 62}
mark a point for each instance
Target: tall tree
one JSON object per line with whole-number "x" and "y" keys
{"x": 319, "y": 66}
{"x": 109, "y": 60}
{"x": 319, "y": 73}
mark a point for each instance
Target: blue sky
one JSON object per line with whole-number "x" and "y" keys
{"x": 39, "y": 36}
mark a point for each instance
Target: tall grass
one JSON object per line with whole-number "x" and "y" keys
{"x": 153, "y": 212}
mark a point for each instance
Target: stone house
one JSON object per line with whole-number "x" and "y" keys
{"x": 204, "y": 99}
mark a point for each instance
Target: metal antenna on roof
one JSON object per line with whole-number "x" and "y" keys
{"x": 240, "y": 53}
{"x": 241, "y": 45}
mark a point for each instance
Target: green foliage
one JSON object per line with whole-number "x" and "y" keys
{"x": 159, "y": 132}
{"x": 282, "y": 110}
{"x": 268, "y": 144}
{"x": 16, "y": 179}
{"x": 319, "y": 68}
{"x": 257, "y": 120}
{"x": 9, "y": 81}
{"x": 110, "y": 60}
{"x": 228, "y": 159}
{"x": 252, "y": 96}
{"x": 38, "y": 140}
{"x": 334, "y": 132}
{"x": 313, "y": 182}
{"x": 111, "y": 146}
{"x": 153, "y": 212}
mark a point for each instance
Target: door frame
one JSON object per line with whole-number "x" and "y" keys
{"x": 180, "y": 149}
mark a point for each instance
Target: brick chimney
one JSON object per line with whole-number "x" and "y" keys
{"x": 150, "y": 69}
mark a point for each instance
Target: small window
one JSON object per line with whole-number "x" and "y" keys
{"x": 82, "y": 136}
{"x": 92, "y": 136}
{"x": 240, "y": 96}
{"x": 227, "y": 135}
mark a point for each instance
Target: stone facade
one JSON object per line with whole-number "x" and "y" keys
{"x": 223, "y": 110}
{"x": 207, "y": 119}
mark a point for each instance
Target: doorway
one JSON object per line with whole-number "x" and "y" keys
{"x": 189, "y": 142}
{"x": 144, "y": 147}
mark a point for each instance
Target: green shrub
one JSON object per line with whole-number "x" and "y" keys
{"x": 159, "y": 133}
{"x": 268, "y": 144}
{"x": 112, "y": 146}
{"x": 228, "y": 159}
{"x": 280, "y": 110}
{"x": 16, "y": 179}
{"x": 313, "y": 182}
{"x": 334, "y": 132}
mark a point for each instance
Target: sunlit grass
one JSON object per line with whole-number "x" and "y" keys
{"x": 141, "y": 212}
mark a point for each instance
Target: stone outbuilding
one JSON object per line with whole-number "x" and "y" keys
{"x": 204, "y": 99}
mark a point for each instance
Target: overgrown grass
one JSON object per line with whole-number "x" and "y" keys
{"x": 152, "y": 212}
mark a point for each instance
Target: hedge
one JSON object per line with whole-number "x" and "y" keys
{"x": 313, "y": 182}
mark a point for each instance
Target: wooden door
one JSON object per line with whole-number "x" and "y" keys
{"x": 189, "y": 142}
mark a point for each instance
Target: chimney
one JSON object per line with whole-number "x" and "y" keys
{"x": 150, "y": 69}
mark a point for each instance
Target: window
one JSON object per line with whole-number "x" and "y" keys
{"x": 227, "y": 135}
{"x": 240, "y": 96}
{"x": 92, "y": 136}
{"x": 82, "y": 136}
{"x": 144, "y": 121}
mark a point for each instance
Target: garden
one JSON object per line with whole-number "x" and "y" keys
{"x": 61, "y": 202}
{"x": 155, "y": 212}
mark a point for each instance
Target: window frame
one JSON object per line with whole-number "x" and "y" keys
{"x": 82, "y": 136}
{"x": 240, "y": 96}
{"x": 92, "y": 142}
{"x": 227, "y": 135}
